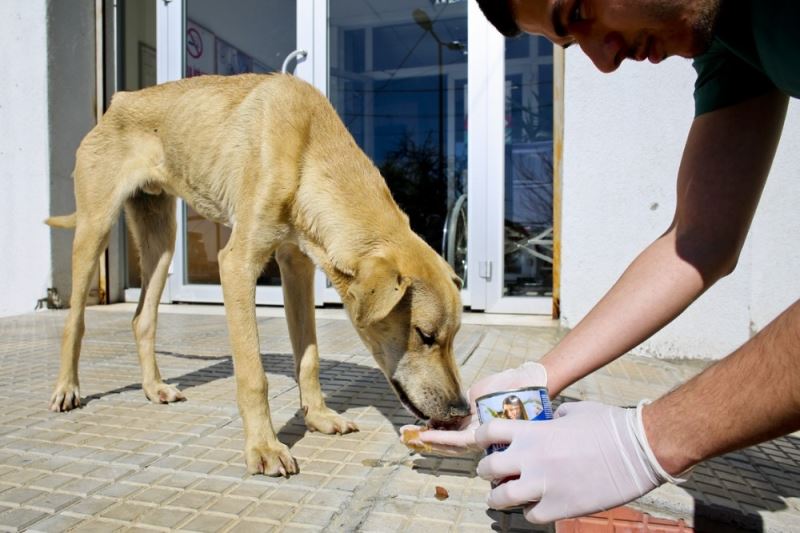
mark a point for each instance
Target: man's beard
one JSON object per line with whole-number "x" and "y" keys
{"x": 706, "y": 13}
{"x": 701, "y": 16}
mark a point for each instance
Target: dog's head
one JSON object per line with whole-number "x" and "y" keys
{"x": 406, "y": 306}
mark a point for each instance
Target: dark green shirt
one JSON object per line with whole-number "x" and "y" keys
{"x": 756, "y": 49}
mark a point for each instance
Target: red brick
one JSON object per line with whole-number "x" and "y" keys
{"x": 621, "y": 520}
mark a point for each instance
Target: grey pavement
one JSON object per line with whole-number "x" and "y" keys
{"x": 121, "y": 463}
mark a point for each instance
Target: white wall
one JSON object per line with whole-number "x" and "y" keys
{"x": 46, "y": 107}
{"x": 24, "y": 157}
{"x": 624, "y": 134}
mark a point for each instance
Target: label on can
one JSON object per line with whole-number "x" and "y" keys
{"x": 529, "y": 403}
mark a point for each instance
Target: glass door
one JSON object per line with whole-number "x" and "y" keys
{"x": 526, "y": 277}
{"x": 398, "y": 79}
{"x": 226, "y": 38}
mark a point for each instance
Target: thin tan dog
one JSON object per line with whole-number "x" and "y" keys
{"x": 268, "y": 156}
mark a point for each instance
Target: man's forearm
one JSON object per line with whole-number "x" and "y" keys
{"x": 654, "y": 289}
{"x": 751, "y": 396}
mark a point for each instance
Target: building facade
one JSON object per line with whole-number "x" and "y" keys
{"x": 537, "y": 177}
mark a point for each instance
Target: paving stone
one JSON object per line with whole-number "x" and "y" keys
{"x": 22, "y": 477}
{"x": 118, "y": 490}
{"x": 53, "y": 502}
{"x": 163, "y": 517}
{"x": 90, "y": 506}
{"x": 193, "y": 501}
{"x": 170, "y": 463}
{"x": 207, "y": 523}
{"x": 55, "y": 524}
{"x": 214, "y": 486}
{"x": 230, "y": 506}
{"x": 126, "y": 511}
{"x": 51, "y": 481}
{"x": 251, "y": 526}
{"x": 20, "y": 519}
{"x": 383, "y": 523}
{"x": 83, "y": 487}
{"x": 18, "y": 496}
{"x": 272, "y": 511}
{"x": 96, "y": 526}
{"x": 154, "y": 495}
{"x": 252, "y": 490}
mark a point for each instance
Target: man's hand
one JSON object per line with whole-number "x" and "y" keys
{"x": 462, "y": 440}
{"x": 590, "y": 457}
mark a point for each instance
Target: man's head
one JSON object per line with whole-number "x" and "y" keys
{"x": 609, "y": 31}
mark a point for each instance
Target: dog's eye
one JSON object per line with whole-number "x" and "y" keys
{"x": 428, "y": 340}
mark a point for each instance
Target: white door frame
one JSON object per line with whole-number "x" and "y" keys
{"x": 486, "y": 184}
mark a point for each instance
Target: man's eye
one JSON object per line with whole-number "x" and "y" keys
{"x": 427, "y": 340}
{"x": 577, "y": 15}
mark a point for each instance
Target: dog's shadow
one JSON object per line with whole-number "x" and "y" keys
{"x": 346, "y": 385}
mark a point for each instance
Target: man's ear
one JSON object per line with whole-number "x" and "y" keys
{"x": 376, "y": 290}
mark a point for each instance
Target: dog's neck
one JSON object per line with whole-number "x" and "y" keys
{"x": 340, "y": 275}
{"x": 348, "y": 240}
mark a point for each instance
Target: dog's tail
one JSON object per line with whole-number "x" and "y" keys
{"x": 65, "y": 221}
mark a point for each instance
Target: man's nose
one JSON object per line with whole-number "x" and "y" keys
{"x": 606, "y": 52}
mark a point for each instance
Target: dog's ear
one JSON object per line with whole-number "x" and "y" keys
{"x": 376, "y": 290}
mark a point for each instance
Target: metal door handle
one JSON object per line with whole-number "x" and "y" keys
{"x": 300, "y": 55}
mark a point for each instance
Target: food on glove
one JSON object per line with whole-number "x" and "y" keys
{"x": 411, "y": 439}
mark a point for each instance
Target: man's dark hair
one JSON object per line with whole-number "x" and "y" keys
{"x": 498, "y": 12}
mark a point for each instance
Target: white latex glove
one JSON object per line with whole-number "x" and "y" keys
{"x": 461, "y": 440}
{"x": 590, "y": 457}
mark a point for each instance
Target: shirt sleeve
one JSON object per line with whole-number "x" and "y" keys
{"x": 724, "y": 79}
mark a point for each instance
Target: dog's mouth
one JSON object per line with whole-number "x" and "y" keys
{"x": 432, "y": 423}
{"x": 404, "y": 399}
{"x": 453, "y": 423}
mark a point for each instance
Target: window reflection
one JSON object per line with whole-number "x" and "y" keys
{"x": 398, "y": 74}
{"x": 528, "y": 221}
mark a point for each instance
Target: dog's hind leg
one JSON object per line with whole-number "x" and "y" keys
{"x": 91, "y": 238}
{"x": 297, "y": 279}
{"x": 151, "y": 219}
{"x": 240, "y": 263}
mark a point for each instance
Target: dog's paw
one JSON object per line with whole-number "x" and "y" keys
{"x": 328, "y": 421}
{"x": 274, "y": 460}
{"x": 66, "y": 396}
{"x": 160, "y": 392}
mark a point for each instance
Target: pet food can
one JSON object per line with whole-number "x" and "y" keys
{"x": 529, "y": 403}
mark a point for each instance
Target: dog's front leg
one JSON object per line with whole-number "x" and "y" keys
{"x": 297, "y": 279}
{"x": 239, "y": 269}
